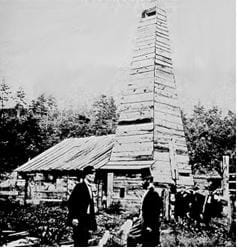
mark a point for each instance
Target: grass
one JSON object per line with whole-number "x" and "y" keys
{"x": 49, "y": 223}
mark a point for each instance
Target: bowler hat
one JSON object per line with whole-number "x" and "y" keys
{"x": 147, "y": 177}
{"x": 88, "y": 170}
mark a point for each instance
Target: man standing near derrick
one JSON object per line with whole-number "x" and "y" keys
{"x": 146, "y": 229}
{"x": 81, "y": 208}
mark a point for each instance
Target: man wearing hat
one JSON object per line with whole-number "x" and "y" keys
{"x": 146, "y": 229}
{"x": 81, "y": 208}
{"x": 151, "y": 208}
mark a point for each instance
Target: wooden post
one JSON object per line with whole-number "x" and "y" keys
{"x": 109, "y": 188}
{"x": 226, "y": 194}
{"x": 25, "y": 190}
{"x": 174, "y": 174}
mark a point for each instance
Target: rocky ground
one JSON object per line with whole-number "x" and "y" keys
{"x": 48, "y": 223}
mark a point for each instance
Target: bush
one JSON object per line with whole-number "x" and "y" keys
{"x": 115, "y": 208}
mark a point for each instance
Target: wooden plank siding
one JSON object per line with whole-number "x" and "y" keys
{"x": 150, "y": 116}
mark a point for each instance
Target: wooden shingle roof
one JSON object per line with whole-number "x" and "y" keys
{"x": 72, "y": 154}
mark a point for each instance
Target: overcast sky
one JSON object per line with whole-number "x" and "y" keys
{"x": 77, "y": 49}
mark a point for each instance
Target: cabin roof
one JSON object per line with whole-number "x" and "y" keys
{"x": 72, "y": 154}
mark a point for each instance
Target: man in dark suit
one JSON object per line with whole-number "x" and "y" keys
{"x": 146, "y": 229}
{"x": 81, "y": 208}
{"x": 151, "y": 209}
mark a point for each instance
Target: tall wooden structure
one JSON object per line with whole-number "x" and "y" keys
{"x": 150, "y": 132}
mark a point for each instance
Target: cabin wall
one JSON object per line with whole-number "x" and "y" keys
{"x": 127, "y": 188}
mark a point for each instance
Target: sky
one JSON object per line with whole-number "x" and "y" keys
{"x": 78, "y": 49}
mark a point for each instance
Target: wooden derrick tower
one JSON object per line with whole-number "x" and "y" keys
{"x": 150, "y": 132}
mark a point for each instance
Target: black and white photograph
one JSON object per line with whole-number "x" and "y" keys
{"x": 118, "y": 123}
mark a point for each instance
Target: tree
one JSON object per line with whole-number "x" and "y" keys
{"x": 73, "y": 124}
{"x": 209, "y": 136}
{"x": 20, "y": 97}
{"x": 5, "y": 96}
{"x": 104, "y": 116}
{"x": 5, "y": 93}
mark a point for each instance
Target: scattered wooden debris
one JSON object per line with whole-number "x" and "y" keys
{"x": 26, "y": 242}
{"x": 103, "y": 241}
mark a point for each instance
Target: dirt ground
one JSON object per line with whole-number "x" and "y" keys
{"x": 49, "y": 224}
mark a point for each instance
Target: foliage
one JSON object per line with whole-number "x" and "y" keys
{"x": 5, "y": 93}
{"x": 49, "y": 223}
{"x": 27, "y": 129}
{"x": 104, "y": 116}
{"x": 115, "y": 208}
{"x": 209, "y": 136}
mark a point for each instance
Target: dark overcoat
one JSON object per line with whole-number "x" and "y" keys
{"x": 151, "y": 208}
{"x": 78, "y": 204}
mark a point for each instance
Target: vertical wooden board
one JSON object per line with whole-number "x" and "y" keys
{"x": 109, "y": 187}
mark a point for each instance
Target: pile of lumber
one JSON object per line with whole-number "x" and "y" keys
{"x": 18, "y": 239}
